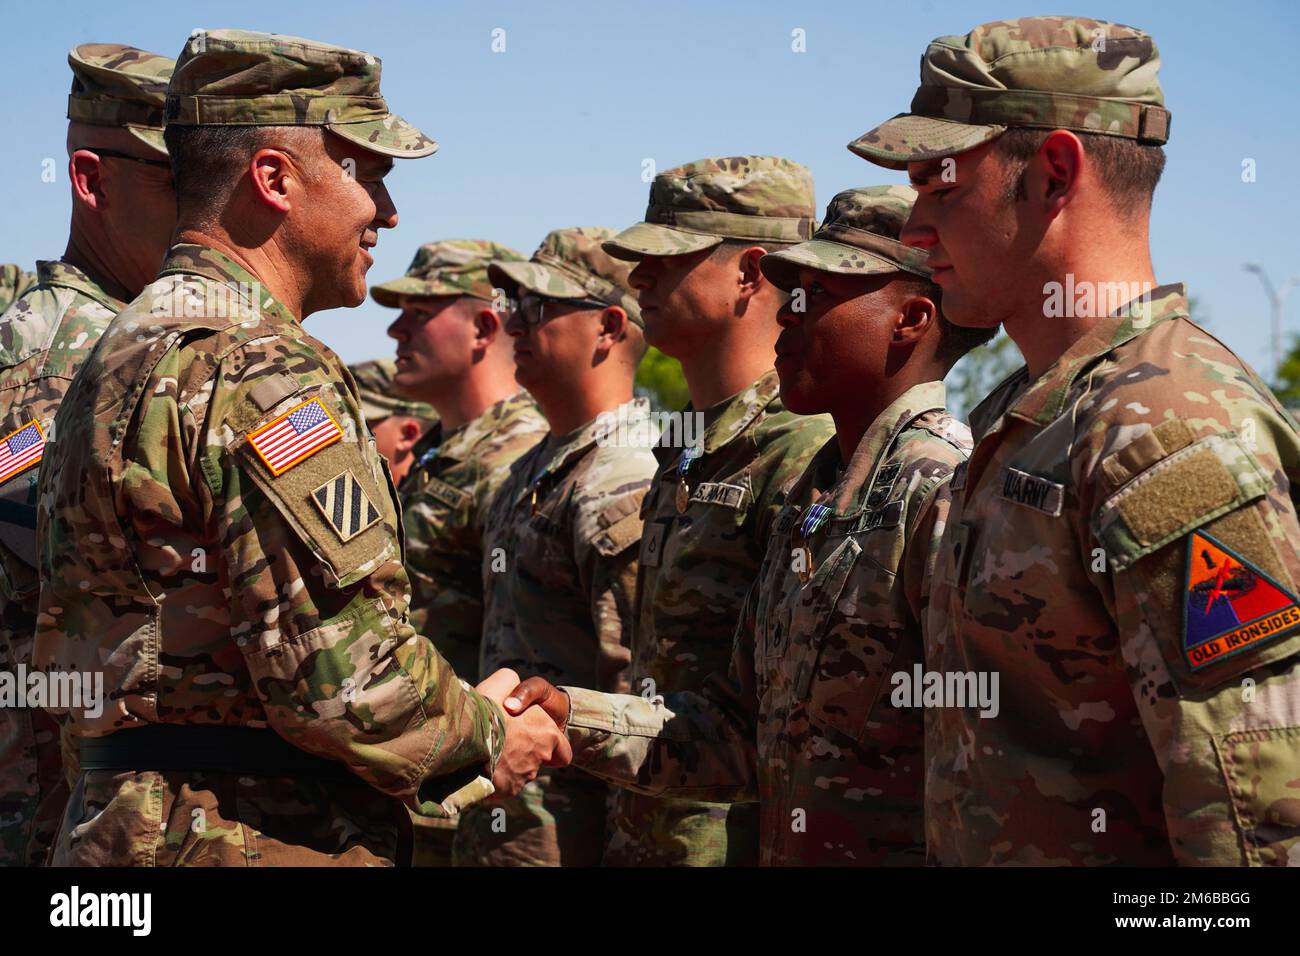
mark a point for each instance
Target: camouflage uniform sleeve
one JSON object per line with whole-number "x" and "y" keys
{"x": 922, "y": 540}
{"x": 607, "y": 563}
{"x": 697, "y": 746}
{"x": 1199, "y": 558}
{"x": 318, "y": 594}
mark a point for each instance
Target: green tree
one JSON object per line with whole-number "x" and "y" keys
{"x": 660, "y": 379}
{"x": 978, "y": 371}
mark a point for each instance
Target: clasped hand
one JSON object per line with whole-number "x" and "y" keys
{"x": 534, "y": 734}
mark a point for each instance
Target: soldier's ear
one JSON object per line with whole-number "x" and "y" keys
{"x": 269, "y": 171}
{"x": 613, "y": 328}
{"x": 84, "y": 171}
{"x": 916, "y": 317}
{"x": 487, "y": 326}
{"x": 1052, "y": 176}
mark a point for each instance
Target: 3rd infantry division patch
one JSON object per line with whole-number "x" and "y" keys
{"x": 1231, "y": 604}
{"x": 345, "y": 506}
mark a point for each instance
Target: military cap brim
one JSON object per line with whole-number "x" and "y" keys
{"x": 908, "y": 138}
{"x": 652, "y": 239}
{"x": 782, "y": 268}
{"x": 537, "y": 278}
{"x": 151, "y": 139}
{"x": 390, "y": 136}
{"x": 387, "y": 293}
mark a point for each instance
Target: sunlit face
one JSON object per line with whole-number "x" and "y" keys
{"x": 978, "y": 241}
{"x": 554, "y": 340}
{"x": 435, "y": 343}
{"x": 340, "y": 208}
{"x": 683, "y": 297}
{"x": 836, "y": 350}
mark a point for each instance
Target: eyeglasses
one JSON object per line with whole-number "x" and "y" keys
{"x": 532, "y": 307}
{"x": 114, "y": 154}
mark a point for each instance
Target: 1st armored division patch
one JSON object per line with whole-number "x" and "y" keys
{"x": 1231, "y": 605}
{"x": 345, "y": 506}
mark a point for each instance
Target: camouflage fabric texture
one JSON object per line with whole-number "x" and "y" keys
{"x": 116, "y": 85}
{"x": 559, "y": 580}
{"x": 570, "y": 264}
{"x": 205, "y": 575}
{"x": 696, "y": 568}
{"x": 695, "y": 206}
{"x": 13, "y": 283}
{"x": 44, "y": 338}
{"x": 803, "y": 721}
{"x": 445, "y": 501}
{"x": 243, "y": 78}
{"x": 859, "y": 236}
{"x": 449, "y": 267}
{"x": 374, "y": 381}
{"x": 1131, "y": 518}
{"x": 1039, "y": 72}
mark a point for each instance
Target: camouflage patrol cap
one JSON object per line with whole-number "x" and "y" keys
{"x": 1039, "y": 72}
{"x": 571, "y": 264}
{"x": 378, "y": 400}
{"x": 116, "y": 85}
{"x": 242, "y": 78}
{"x": 696, "y": 206}
{"x": 860, "y": 236}
{"x": 450, "y": 267}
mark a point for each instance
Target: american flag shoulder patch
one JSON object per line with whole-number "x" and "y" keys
{"x": 345, "y": 506}
{"x": 295, "y": 436}
{"x": 21, "y": 449}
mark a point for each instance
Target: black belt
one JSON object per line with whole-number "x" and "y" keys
{"x": 214, "y": 749}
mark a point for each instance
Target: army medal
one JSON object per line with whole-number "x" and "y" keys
{"x": 816, "y": 517}
{"x": 683, "y": 466}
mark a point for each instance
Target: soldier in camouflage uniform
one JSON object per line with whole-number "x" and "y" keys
{"x": 1123, "y": 549}
{"x": 559, "y": 568}
{"x": 709, "y": 512}
{"x": 220, "y": 537}
{"x": 123, "y": 215}
{"x": 397, "y": 423}
{"x": 13, "y": 283}
{"x": 805, "y": 721}
{"x": 452, "y": 351}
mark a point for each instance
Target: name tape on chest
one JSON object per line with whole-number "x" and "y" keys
{"x": 1022, "y": 488}
{"x": 1231, "y": 605}
{"x": 21, "y": 449}
{"x": 448, "y": 494}
{"x": 717, "y": 493}
{"x": 295, "y": 436}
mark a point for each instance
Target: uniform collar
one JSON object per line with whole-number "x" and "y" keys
{"x": 463, "y": 443}
{"x": 880, "y": 436}
{"x": 1042, "y": 402}
{"x": 60, "y": 273}
{"x": 187, "y": 258}
{"x": 567, "y": 448}
{"x": 726, "y": 421}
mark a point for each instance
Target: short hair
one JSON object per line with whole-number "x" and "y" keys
{"x": 207, "y": 161}
{"x": 1128, "y": 170}
{"x": 954, "y": 340}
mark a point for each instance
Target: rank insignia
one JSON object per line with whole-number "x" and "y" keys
{"x": 21, "y": 449}
{"x": 295, "y": 436}
{"x": 1231, "y": 605}
{"x": 345, "y": 506}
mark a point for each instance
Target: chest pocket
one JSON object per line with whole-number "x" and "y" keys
{"x": 844, "y": 668}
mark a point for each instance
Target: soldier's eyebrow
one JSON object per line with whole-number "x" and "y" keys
{"x": 921, "y": 176}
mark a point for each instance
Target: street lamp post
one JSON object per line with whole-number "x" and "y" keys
{"x": 1276, "y": 299}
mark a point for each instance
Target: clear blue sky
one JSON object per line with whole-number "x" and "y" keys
{"x": 553, "y": 131}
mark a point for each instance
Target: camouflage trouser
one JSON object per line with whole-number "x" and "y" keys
{"x": 33, "y": 791}
{"x": 432, "y": 839}
{"x": 557, "y": 820}
{"x": 187, "y": 818}
{"x": 650, "y": 832}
